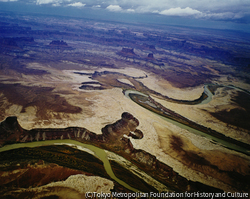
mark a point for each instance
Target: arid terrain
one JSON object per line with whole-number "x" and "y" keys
{"x": 57, "y": 73}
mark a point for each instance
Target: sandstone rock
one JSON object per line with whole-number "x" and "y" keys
{"x": 58, "y": 43}
{"x": 122, "y": 127}
{"x": 127, "y": 52}
{"x": 10, "y": 130}
{"x": 151, "y": 56}
{"x": 113, "y": 139}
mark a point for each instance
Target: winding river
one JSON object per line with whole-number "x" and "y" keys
{"x": 222, "y": 142}
{"x": 205, "y": 101}
{"x": 99, "y": 153}
{"x": 209, "y": 95}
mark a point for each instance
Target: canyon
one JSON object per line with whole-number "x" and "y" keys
{"x": 66, "y": 80}
{"x": 113, "y": 138}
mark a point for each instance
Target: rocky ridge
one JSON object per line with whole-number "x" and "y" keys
{"x": 114, "y": 137}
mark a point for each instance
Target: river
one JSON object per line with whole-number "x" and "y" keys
{"x": 99, "y": 153}
{"x": 209, "y": 95}
{"x": 205, "y": 101}
{"x": 195, "y": 131}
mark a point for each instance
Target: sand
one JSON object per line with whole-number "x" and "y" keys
{"x": 103, "y": 107}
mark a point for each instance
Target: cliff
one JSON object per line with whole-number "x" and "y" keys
{"x": 10, "y": 131}
{"x": 151, "y": 57}
{"x": 114, "y": 137}
{"x": 127, "y": 52}
{"x": 59, "y": 46}
{"x": 58, "y": 43}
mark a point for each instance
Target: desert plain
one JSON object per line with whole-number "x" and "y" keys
{"x": 74, "y": 73}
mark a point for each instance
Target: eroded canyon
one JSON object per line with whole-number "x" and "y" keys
{"x": 67, "y": 80}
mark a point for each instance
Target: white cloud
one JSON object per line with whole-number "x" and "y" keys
{"x": 7, "y": 0}
{"x": 96, "y": 6}
{"x": 223, "y": 15}
{"x": 215, "y": 9}
{"x": 56, "y": 4}
{"x": 77, "y": 4}
{"x": 130, "y": 10}
{"x": 114, "y": 8}
{"x": 45, "y": 2}
{"x": 156, "y": 11}
{"x": 196, "y": 13}
{"x": 181, "y": 12}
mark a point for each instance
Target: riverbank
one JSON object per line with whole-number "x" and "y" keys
{"x": 123, "y": 147}
{"x": 150, "y": 104}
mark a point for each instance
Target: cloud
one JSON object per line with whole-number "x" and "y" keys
{"x": 198, "y": 14}
{"x": 130, "y": 10}
{"x": 208, "y": 9}
{"x": 223, "y": 15}
{"x": 39, "y": 2}
{"x": 180, "y": 12}
{"x": 114, "y": 8}
{"x": 77, "y": 4}
{"x": 96, "y": 6}
{"x": 7, "y": 0}
{"x": 56, "y": 4}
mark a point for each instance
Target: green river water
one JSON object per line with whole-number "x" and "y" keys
{"x": 100, "y": 153}
{"x": 195, "y": 131}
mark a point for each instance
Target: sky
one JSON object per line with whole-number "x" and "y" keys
{"x": 236, "y": 11}
{"x": 215, "y": 9}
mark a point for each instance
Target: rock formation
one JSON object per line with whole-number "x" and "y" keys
{"x": 124, "y": 126}
{"x": 12, "y": 132}
{"x": 127, "y": 52}
{"x": 59, "y": 46}
{"x": 114, "y": 137}
{"x": 151, "y": 56}
{"x": 15, "y": 44}
{"x": 38, "y": 179}
{"x": 15, "y": 41}
{"x": 58, "y": 43}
